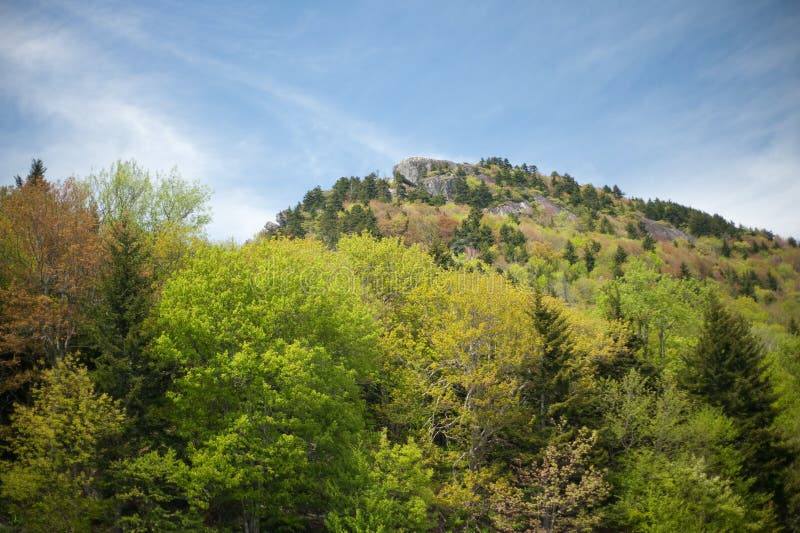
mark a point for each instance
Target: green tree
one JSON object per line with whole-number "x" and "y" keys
{"x": 726, "y": 249}
{"x": 461, "y": 190}
{"x": 328, "y": 226}
{"x": 654, "y": 305}
{"x": 620, "y": 256}
{"x": 59, "y": 443}
{"x": 658, "y": 494}
{"x": 548, "y": 378}
{"x": 270, "y": 432}
{"x": 151, "y": 494}
{"x": 314, "y": 200}
{"x": 359, "y": 219}
{"x": 290, "y": 222}
{"x": 394, "y": 492}
{"x": 513, "y": 241}
{"x": 569, "y": 253}
{"x": 649, "y": 243}
{"x": 480, "y": 196}
{"x": 727, "y": 371}
{"x": 126, "y": 292}
{"x": 472, "y": 233}
{"x": 269, "y": 345}
{"x": 399, "y": 187}
{"x": 155, "y": 203}
{"x": 588, "y": 258}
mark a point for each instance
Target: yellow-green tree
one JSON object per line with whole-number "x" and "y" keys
{"x": 58, "y": 443}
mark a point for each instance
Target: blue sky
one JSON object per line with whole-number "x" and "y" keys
{"x": 693, "y": 101}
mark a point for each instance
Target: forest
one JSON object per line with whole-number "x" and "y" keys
{"x": 512, "y": 352}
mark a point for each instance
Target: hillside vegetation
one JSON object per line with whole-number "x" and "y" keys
{"x": 461, "y": 347}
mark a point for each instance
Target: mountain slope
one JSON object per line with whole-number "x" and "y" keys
{"x": 550, "y": 231}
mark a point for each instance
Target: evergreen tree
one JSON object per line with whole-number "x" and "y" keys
{"x": 314, "y": 200}
{"x": 513, "y": 244}
{"x": 569, "y": 253}
{"x": 726, "y": 249}
{"x": 633, "y": 231}
{"x": 727, "y": 371}
{"x": 290, "y": 222}
{"x": 606, "y": 227}
{"x": 125, "y": 297}
{"x": 359, "y": 219}
{"x": 328, "y": 227}
{"x": 549, "y": 379}
{"x": 588, "y": 258}
{"x": 441, "y": 255}
{"x": 399, "y": 187}
{"x": 369, "y": 189}
{"x": 620, "y": 256}
{"x": 474, "y": 234}
{"x": 480, "y": 197}
{"x": 384, "y": 192}
{"x": 35, "y": 174}
{"x": 649, "y": 243}
{"x": 685, "y": 272}
{"x": 462, "y": 192}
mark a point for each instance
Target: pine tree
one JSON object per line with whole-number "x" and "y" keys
{"x": 549, "y": 379}
{"x": 35, "y": 174}
{"x": 726, "y": 249}
{"x": 125, "y": 293}
{"x": 685, "y": 272}
{"x": 620, "y": 256}
{"x": 461, "y": 190}
{"x": 588, "y": 258}
{"x": 727, "y": 371}
{"x": 399, "y": 187}
{"x": 290, "y": 222}
{"x": 328, "y": 228}
{"x": 569, "y": 253}
{"x": 481, "y": 197}
{"x": 648, "y": 243}
{"x": 314, "y": 200}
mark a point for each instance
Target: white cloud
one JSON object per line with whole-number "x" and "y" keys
{"x": 90, "y": 109}
{"x": 238, "y": 214}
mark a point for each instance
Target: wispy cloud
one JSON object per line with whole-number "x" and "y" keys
{"x": 98, "y": 108}
{"x": 90, "y": 109}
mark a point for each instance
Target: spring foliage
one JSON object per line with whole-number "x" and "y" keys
{"x": 474, "y": 369}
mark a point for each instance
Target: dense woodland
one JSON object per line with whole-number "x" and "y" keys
{"x": 384, "y": 359}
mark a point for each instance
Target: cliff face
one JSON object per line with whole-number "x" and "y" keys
{"x": 434, "y": 175}
{"x": 413, "y": 169}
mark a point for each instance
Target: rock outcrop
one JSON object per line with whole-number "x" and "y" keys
{"x": 510, "y": 208}
{"x": 443, "y": 184}
{"x": 436, "y": 176}
{"x": 663, "y": 232}
{"x": 551, "y": 208}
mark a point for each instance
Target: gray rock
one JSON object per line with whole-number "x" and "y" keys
{"x": 413, "y": 169}
{"x": 510, "y": 208}
{"x": 552, "y": 208}
{"x": 663, "y": 232}
{"x": 443, "y": 184}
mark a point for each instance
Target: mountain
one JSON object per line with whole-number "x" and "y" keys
{"x": 549, "y": 231}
